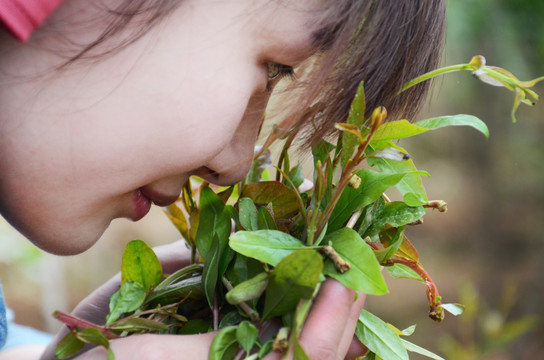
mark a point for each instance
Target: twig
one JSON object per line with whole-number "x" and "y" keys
{"x": 340, "y": 264}
{"x": 436, "y": 312}
{"x": 354, "y": 217}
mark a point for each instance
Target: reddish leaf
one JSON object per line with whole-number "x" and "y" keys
{"x": 283, "y": 199}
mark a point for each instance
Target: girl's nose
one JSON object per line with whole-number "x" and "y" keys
{"x": 232, "y": 164}
{"x": 164, "y": 191}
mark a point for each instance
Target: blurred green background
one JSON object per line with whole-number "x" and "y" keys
{"x": 487, "y": 251}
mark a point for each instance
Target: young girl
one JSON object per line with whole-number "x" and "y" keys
{"x": 109, "y": 107}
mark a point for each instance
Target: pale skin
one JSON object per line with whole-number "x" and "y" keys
{"x": 103, "y": 139}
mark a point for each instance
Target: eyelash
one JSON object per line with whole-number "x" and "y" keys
{"x": 279, "y": 71}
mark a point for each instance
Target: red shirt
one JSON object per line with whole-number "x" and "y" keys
{"x": 21, "y": 17}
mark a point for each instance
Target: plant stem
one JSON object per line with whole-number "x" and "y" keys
{"x": 435, "y": 73}
{"x": 436, "y": 312}
{"x": 440, "y": 205}
{"x": 240, "y": 354}
{"x": 300, "y": 203}
{"x": 342, "y": 183}
{"x": 284, "y": 150}
{"x": 354, "y": 217}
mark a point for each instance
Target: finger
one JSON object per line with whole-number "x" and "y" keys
{"x": 351, "y": 323}
{"x": 93, "y": 308}
{"x": 324, "y": 328}
{"x": 356, "y": 349}
{"x": 164, "y": 347}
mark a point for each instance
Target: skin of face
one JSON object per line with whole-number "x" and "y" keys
{"x": 103, "y": 138}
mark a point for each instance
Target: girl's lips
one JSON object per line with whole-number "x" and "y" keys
{"x": 144, "y": 197}
{"x": 142, "y": 205}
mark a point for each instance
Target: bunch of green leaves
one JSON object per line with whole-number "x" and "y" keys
{"x": 261, "y": 248}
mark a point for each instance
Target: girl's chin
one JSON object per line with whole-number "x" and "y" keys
{"x": 68, "y": 241}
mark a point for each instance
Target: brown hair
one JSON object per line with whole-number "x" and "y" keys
{"x": 384, "y": 43}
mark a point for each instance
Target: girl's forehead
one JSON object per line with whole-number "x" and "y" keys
{"x": 289, "y": 26}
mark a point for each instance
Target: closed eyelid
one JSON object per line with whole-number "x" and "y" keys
{"x": 277, "y": 70}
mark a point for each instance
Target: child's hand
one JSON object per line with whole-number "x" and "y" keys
{"x": 327, "y": 334}
{"x": 95, "y": 307}
{"x": 328, "y": 331}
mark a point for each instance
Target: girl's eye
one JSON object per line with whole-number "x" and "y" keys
{"x": 276, "y": 70}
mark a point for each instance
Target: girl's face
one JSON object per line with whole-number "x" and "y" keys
{"x": 104, "y": 139}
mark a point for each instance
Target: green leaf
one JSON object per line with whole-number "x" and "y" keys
{"x": 321, "y": 151}
{"x": 249, "y": 218}
{"x": 265, "y": 220}
{"x": 403, "y": 128}
{"x": 399, "y": 129}
{"x": 419, "y": 350}
{"x": 212, "y": 239}
{"x": 214, "y": 221}
{"x": 356, "y": 117}
{"x": 196, "y": 326}
{"x": 140, "y": 265}
{"x": 379, "y": 338}
{"x": 408, "y": 250}
{"x": 410, "y": 186}
{"x": 403, "y": 271}
{"x": 266, "y": 348}
{"x": 139, "y": 324}
{"x": 283, "y": 198}
{"x": 454, "y": 309}
{"x": 93, "y": 336}
{"x": 295, "y": 277}
{"x": 364, "y": 274}
{"x": 414, "y": 199}
{"x": 391, "y": 238}
{"x": 296, "y": 175}
{"x": 396, "y": 214}
{"x": 454, "y": 120}
{"x": 187, "y": 288}
{"x": 248, "y": 290}
{"x": 301, "y": 313}
{"x": 224, "y": 345}
{"x": 232, "y": 318}
{"x": 247, "y": 335}
{"x": 68, "y": 346}
{"x": 213, "y": 268}
{"x": 128, "y": 298}
{"x": 268, "y": 246}
{"x": 298, "y": 351}
{"x": 373, "y": 185}
{"x": 409, "y": 330}
{"x": 243, "y": 268}
{"x": 369, "y": 215}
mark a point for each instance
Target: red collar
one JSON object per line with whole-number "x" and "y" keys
{"x": 21, "y": 17}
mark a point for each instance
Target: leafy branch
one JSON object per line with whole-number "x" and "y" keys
{"x": 260, "y": 249}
